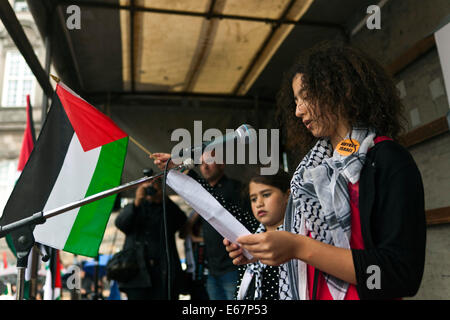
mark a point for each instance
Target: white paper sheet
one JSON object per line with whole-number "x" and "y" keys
{"x": 207, "y": 206}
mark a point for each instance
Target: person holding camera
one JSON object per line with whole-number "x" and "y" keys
{"x": 142, "y": 223}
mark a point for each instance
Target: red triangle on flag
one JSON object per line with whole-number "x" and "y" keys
{"x": 93, "y": 128}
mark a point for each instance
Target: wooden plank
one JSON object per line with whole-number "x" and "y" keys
{"x": 411, "y": 55}
{"x": 438, "y": 216}
{"x": 204, "y": 45}
{"x": 425, "y": 132}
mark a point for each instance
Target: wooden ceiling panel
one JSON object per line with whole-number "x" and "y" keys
{"x": 166, "y": 46}
{"x": 174, "y": 52}
{"x": 234, "y": 45}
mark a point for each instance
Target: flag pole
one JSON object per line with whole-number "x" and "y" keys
{"x": 140, "y": 146}
{"x": 20, "y": 284}
{"x": 34, "y": 272}
{"x": 57, "y": 80}
{"x": 23, "y": 240}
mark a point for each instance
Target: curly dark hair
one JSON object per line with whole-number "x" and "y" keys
{"x": 339, "y": 80}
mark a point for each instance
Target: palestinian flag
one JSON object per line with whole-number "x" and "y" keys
{"x": 80, "y": 152}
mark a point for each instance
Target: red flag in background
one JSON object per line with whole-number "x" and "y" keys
{"x": 56, "y": 276}
{"x": 58, "y": 283}
{"x": 29, "y": 138}
{"x": 5, "y": 260}
{"x": 53, "y": 283}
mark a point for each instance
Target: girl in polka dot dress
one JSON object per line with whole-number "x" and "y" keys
{"x": 268, "y": 198}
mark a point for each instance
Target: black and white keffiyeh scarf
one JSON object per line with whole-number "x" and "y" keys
{"x": 320, "y": 205}
{"x": 256, "y": 270}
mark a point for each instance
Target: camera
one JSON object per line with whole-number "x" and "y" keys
{"x": 149, "y": 191}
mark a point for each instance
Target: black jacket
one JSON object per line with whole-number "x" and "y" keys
{"x": 219, "y": 262}
{"x": 393, "y": 226}
{"x": 143, "y": 227}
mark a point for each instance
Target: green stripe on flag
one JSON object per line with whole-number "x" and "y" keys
{"x": 10, "y": 243}
{"x": 90, "y": 224}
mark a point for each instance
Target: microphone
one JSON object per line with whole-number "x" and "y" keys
{"x": 188, "y": 164}
{"x": 245, "y": 134}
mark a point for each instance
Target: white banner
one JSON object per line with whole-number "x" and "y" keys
{"x": 443, "y": 45}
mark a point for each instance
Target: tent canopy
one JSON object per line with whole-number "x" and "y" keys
{"x": 194, "y": 47}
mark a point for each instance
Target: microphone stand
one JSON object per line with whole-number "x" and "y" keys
{"x": 22, "y": 230}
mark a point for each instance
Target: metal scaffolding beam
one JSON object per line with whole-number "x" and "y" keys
{"x": 15, "y": 30}
{"x": 206, "y": 15}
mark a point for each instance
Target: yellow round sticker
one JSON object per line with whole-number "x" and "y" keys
{"x": 347, "y": 147}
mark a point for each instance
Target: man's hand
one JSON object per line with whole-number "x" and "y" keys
{"x": 161, "y": 159}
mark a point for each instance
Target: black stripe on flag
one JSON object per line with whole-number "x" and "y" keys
{"x": 33, "y": 188}
{"x": 33, "y": 131}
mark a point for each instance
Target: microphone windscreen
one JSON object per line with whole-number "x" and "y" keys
{"x": 188, "y": 163}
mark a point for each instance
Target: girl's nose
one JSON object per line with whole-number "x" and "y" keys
{"x": 259, "y": 202}
{"x": 300, "y": 110}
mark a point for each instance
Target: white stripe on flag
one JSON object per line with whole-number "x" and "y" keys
{"x": 71, "y": 185}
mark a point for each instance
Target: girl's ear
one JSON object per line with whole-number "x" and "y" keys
{"x": 287, "y": 194}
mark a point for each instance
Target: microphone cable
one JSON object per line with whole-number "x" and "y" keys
{"x": 166, "y": 236}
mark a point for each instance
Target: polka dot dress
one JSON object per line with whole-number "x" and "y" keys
{"x": 271, "y": 280}
{"x": 270, "y": 284}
